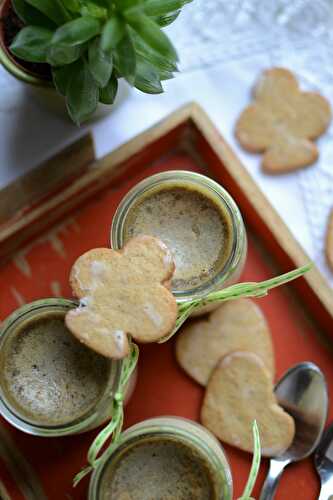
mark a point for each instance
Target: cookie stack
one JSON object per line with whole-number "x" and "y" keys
{"x": 231, "y": 354}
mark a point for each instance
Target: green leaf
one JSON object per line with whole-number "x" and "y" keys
{"x": 108, "y": 94}
{"x": 62, "y": 77}
{"x": 101, "y": 3}
{"x": 123, "y": 5}
{"x": 53, "y": 9}
{"x": 93, "y": 9}
{"x": 31, "y": 16}
{"x": 125, "y": 59}
{"x": 82, "y": 93}
{"x": 113, "y": 32}
{"x": 151, "y": 33}
{"x": 76, "y": 32}
{"x": 100, "y": 63}
{"x": 165, "y": 75}
{"x": 160, "y": 62}
{"x": 162, "y": 7}
{"x": 59, "y": 55}
{"x": 72, "y": 5}
{"x": 167, "y": 19}
{"x": 32, "y": 43}
{"x": 147, "y": 78}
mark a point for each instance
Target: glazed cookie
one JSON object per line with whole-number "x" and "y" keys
{"x": 329, "y": 241}
{"x": 282, "y": 122}
{"x": 123, "y": 293}
{"x": 240, "y": 391}
{"x": 236, "y": 325}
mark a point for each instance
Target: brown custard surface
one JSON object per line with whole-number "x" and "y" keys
{"x": 191, "y": 224}
{"x": 158, "y": 469}
{"x": 48, "y": 376}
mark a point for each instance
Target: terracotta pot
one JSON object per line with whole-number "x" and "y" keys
{"x": 8, "y": 61}
{"x": 42, "y": 89}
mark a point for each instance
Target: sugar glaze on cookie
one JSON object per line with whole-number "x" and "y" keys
{"x": 123, "y": 293}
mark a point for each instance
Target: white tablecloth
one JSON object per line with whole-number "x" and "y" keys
{"x": 223, "y": 46}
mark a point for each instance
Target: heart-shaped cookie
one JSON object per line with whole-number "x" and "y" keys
{"x": 240, "y": 391}
{"x": 238, "y": 325}
{"x": 123, "y": 293}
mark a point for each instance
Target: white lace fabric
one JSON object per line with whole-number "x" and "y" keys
{"x": 297, "y": 35}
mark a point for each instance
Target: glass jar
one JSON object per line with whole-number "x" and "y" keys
{"x": 97, "y": 414}
{"x": 232, "y": 267}
{"x": 185, "y": 432}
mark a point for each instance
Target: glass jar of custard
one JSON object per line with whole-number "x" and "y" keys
{"x": 198, "y": 221}
{"x": 165, "y": 457}
{"x": 51, "y": 384}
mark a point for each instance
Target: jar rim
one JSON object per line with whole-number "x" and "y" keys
{"x": 200, "y": 180}
{"x": 79, "y": 424}
{"x": 169, "y": 426}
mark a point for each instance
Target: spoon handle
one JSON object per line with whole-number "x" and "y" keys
{"x": 270, "y": 485}
{"x": 326, "y": 492}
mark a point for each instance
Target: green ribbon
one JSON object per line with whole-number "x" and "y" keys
{"x": 233, "y": 292}
{"x": 255, "y": 463}
{"x": 113, "y": 430}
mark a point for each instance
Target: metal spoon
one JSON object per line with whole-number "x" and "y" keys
{"x": 302, "y": 392}
{"x": 324, "y": 464}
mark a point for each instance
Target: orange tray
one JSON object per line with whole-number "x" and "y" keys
{"x": 76, "y": 216}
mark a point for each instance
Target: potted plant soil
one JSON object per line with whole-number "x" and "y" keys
{"x": 74, "y": 52}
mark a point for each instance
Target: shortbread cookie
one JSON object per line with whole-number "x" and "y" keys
{"x": 329, "y": 241}
{"x": 238, "y": 325}
{"x": 240, "y": 391}
{"x": 282, "y": 122}
{"x": 123, "y": 293}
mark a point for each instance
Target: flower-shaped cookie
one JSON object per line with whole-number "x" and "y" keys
{"x": 282, "y": 122}
{"x": 123, "y": 293}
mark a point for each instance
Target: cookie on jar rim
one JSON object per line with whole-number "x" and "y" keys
{"x": 123, "y": 293}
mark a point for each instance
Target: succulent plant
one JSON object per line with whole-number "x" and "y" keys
{"x": 90, "y": 44}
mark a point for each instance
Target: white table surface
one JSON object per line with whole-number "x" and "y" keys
{"x": 219, "y": 69}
